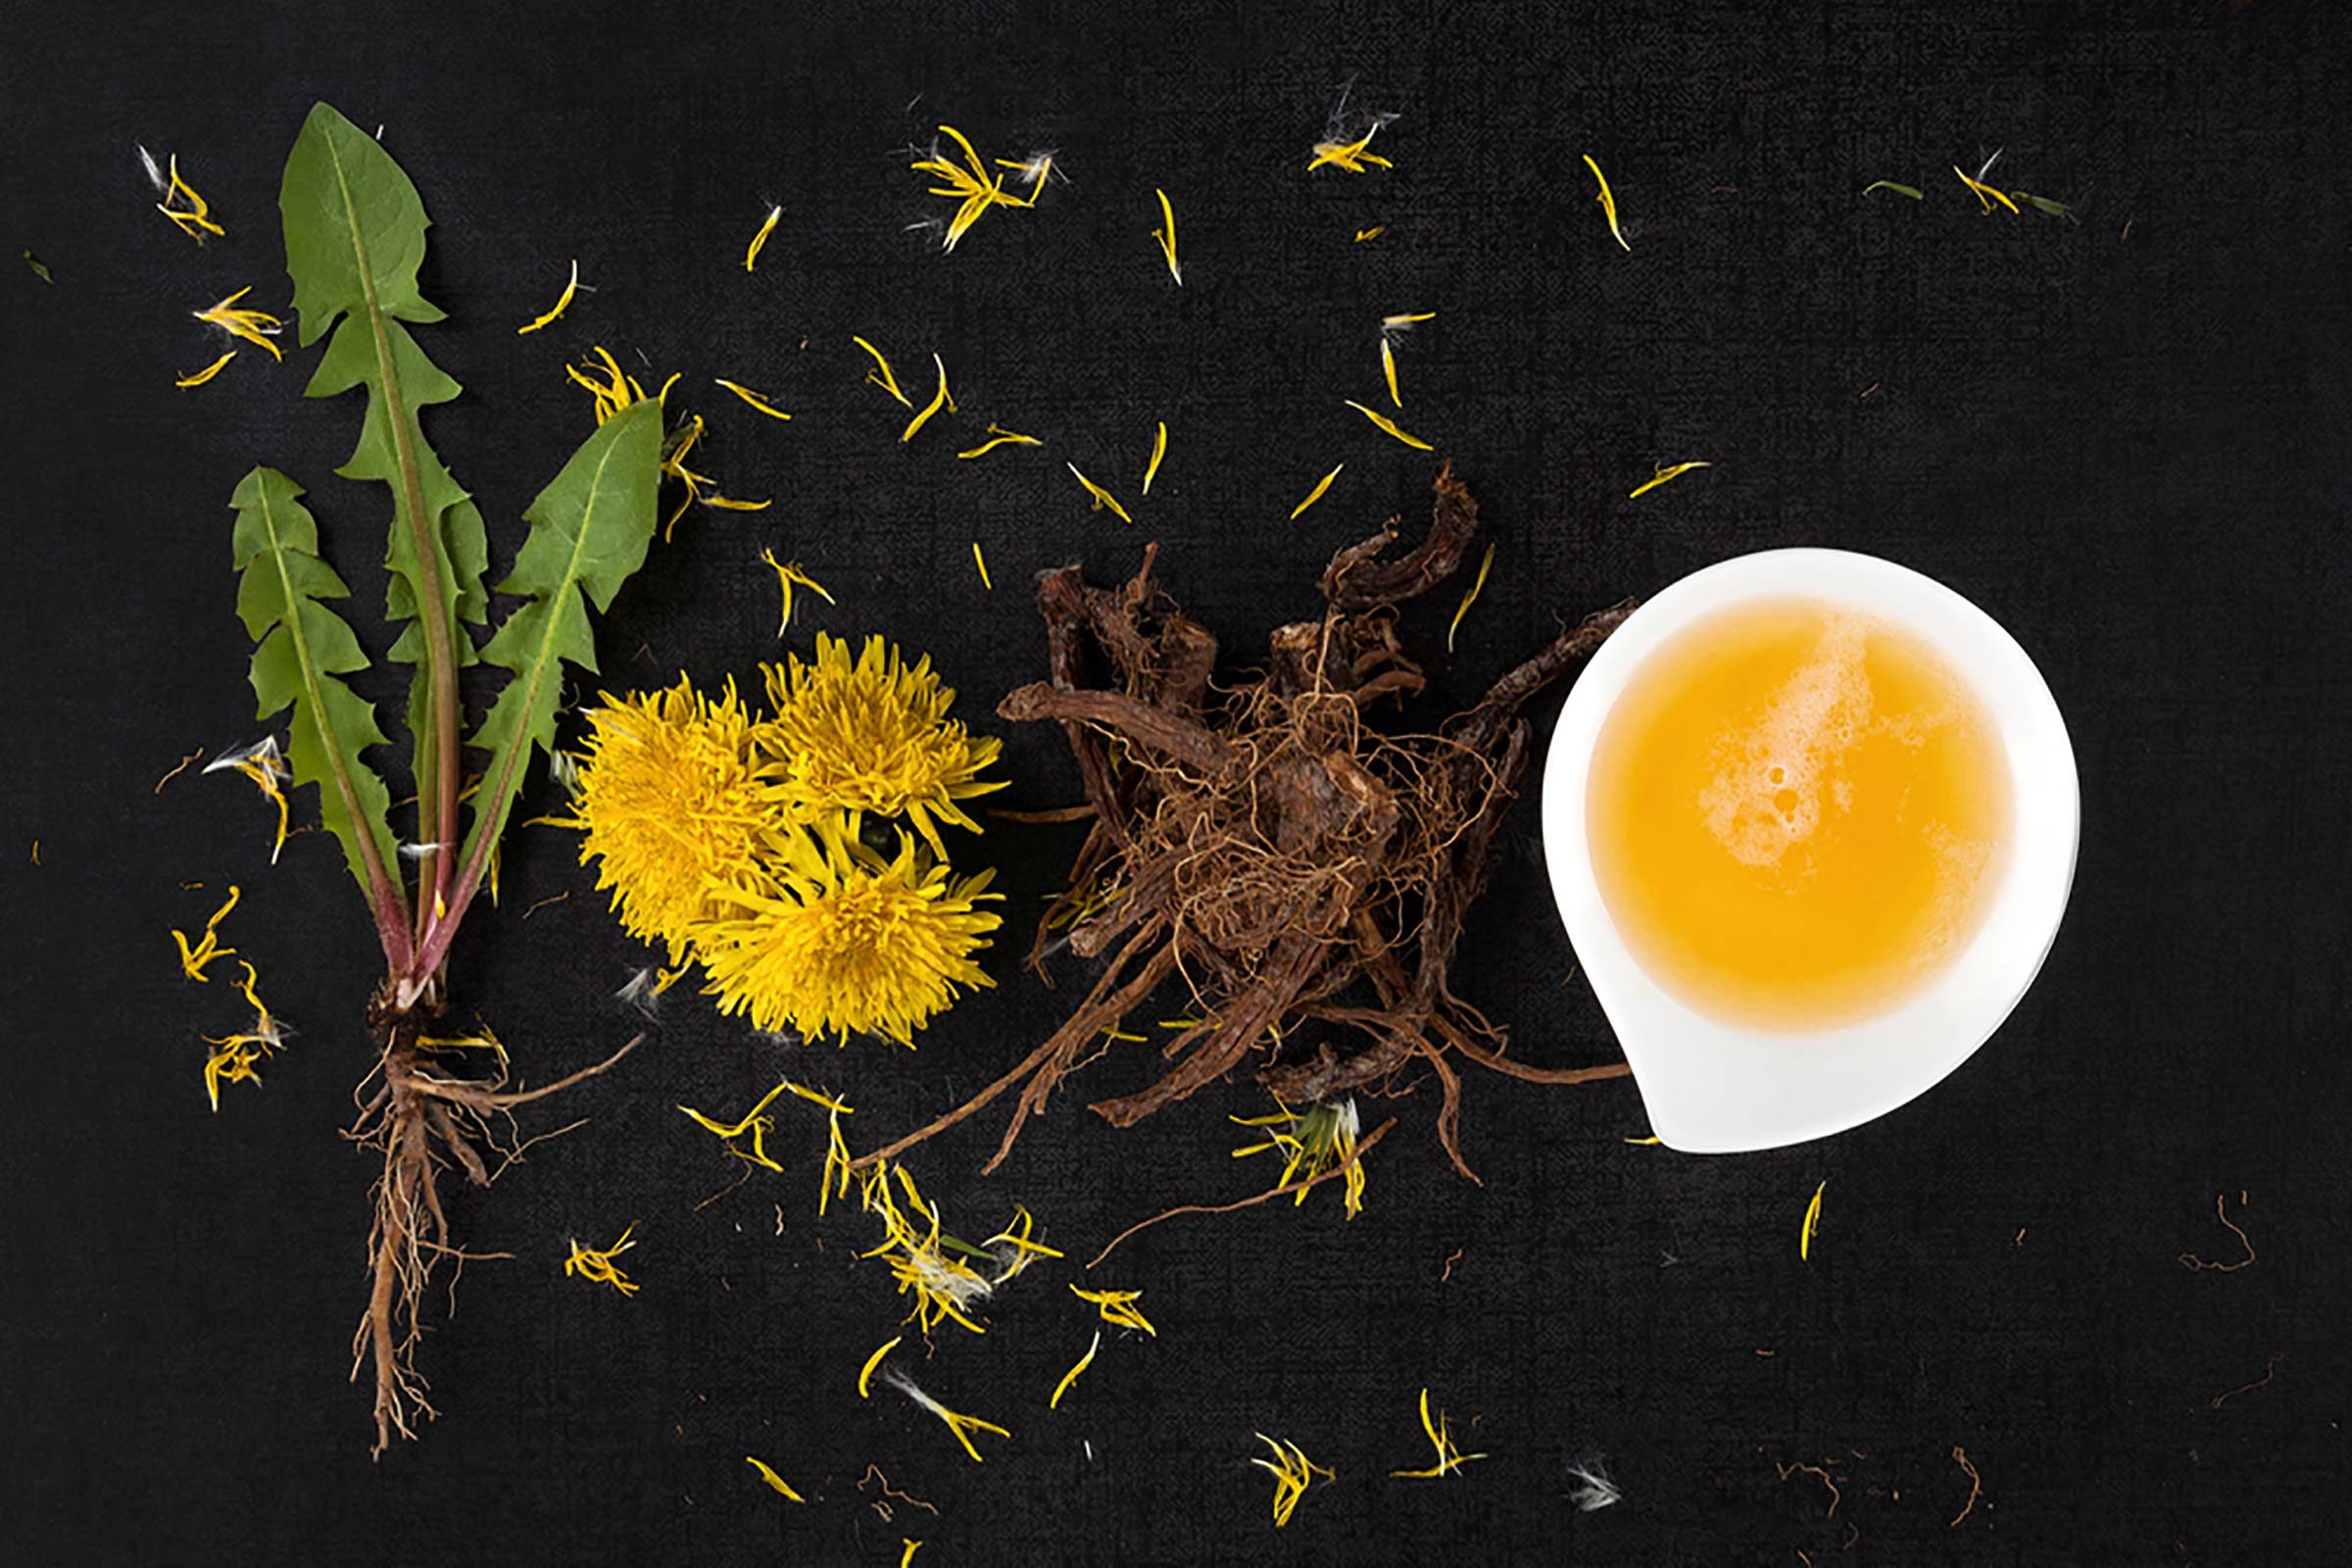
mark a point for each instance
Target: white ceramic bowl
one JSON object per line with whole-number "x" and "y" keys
{"x": 1714, "y": 1088}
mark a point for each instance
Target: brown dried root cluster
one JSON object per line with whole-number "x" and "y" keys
{"x": 424, "y": 1121}
{"x": 1303, "y": 873}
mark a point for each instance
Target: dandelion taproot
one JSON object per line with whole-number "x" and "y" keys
{"x": 1118, "y": 1309}
{"x": 1292, "y": 1472}
{"x": 1317, "y": 494}
{"x": 956, "y": 1422}
{"x": 1609, "y": 201}
{"x": 767, "y": 226}
{"x": 826, "y": 936}
{"x": 939, "y": 399}
{"x": 1166, "y": 235}
{"x": 871, "y": 735}
{"x": 998, "y": 436}
{"x": 1463, "y": 608}
{"x": 1387, "y": 426}
{"x": 774, "y": 1481}
{"x": 563, "y": 302}
{"x": 882, "y": 375}
{"x": 257, "y": 327}
{"x": 1160, "y": 453}
{"x": 1451, "y": 1458}
{"x": 788, "y": 575}
{"x": 199, "y": 377}
{"x": 668, "y": 801}
{"x": 753, "y": 399}
{"x": 1071, "y": 1376}
{"x": 1662, "y": 476}
{"x": 596, "y": 1265}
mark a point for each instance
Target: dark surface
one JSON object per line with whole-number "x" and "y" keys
{"x": 2130, "y": 449}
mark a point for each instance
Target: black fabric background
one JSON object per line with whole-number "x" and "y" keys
{"x": 2129, "y": 449}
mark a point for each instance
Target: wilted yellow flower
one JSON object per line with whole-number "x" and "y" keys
{"x": 669, "y": 804}
{"x": 872, "y": 736}
{"x": 824, "y": 936}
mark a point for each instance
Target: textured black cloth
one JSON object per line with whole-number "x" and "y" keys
{"x": 2122, "y": 435}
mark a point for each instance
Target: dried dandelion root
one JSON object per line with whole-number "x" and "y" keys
{"x": 1262, "y": 836}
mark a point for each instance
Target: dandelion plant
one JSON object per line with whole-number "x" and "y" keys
{"x": 355, "y": 231}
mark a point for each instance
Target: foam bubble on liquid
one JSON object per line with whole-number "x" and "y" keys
{"x": 1771, "y": 777}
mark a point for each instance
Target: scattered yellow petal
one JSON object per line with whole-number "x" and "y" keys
{"x": 251, "y": 326}
{"x": 750, "y": 256}
{"x": 774, "y": 1480}
{"x": 956, "y": 1422}
{"x": 1292, "y": 1473}
{"x": 866, "y": 1373}
{"x": 973, "y": 188}
{"x": 981, "y": 561}
{"x": 1450, "y": 1457}
{"x": 207, "y": 373}
{"x": 1317, "y": 494}
{"x": 1374, "y": 232}
{"x": 753, "y": 399}
{"x": 1071, "y": 1376}
{"x": 597, "y": 1265}
{"x": 939, "y": 399}
{"x": 998, "y": 436}
{"x": 731, "y": 503}
{"x": 1662, "y": 476}
{"x": 1804, "y": 1237}
{"x": 1349, "y": 154}
{"x": 1985, "y": 194}
{"x": 261, "y": 764}
{"x": 1103, "y": 497}
{"x": 1608, "y": 201}
{"x": 563, "y": 304}
{"x": 1383, "y": 423}
{"x": 912, "y": 1546}
{"x": 1166, "y": 235}
{"x": 882, "y": 375}
{"x": 1159, "y": 451}
{"x": 1388, "y": 367}
{"x": 1651, "y": 1139}
{"x": 789, "y": 573}
{"x": 194, "y": 961}
{"x": 1118, "y": 1307}
{"x": 194, "y": 219}
{"x": 1463, "y": 608}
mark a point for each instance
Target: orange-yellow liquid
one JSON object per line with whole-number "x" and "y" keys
{"x": 1796, "y": 814}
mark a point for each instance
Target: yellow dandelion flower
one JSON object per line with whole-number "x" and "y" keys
{"x": 828, "y": 938}
{"x": 871, "y": 735}
{"x": 668, "y": 801}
